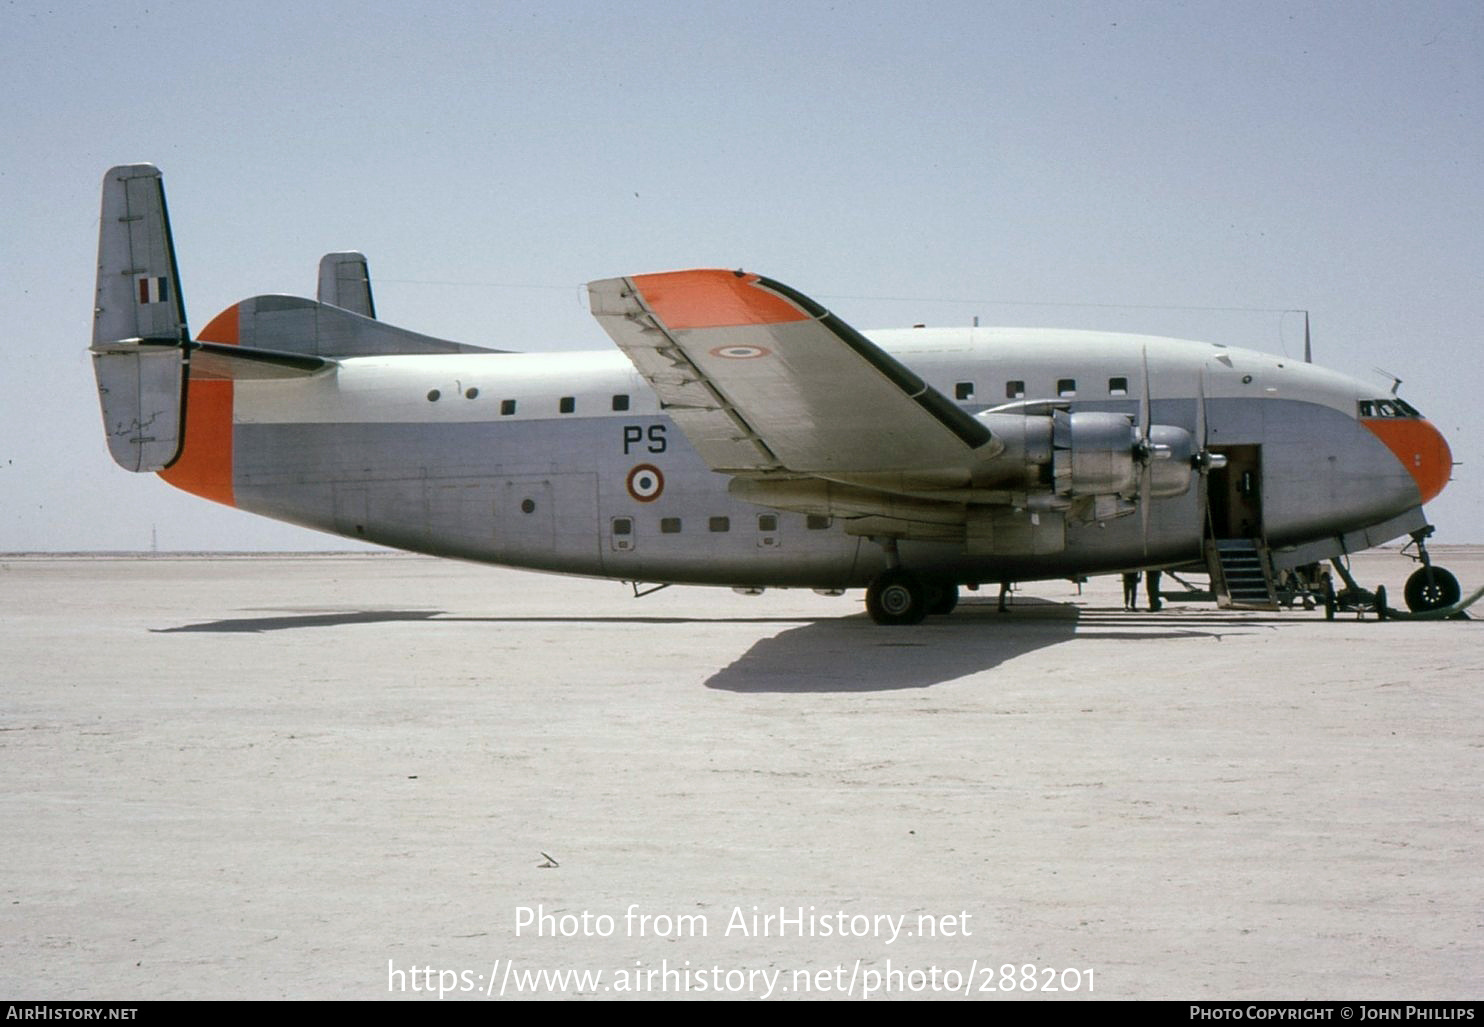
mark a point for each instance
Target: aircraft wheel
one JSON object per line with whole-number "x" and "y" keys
{"x": 1431, "y": 588}
{"x": 942, "y": 599}
{"x": 1330, "y": 603}
{"x": 1380, "y": 602}
{"x": 896, "y": 597}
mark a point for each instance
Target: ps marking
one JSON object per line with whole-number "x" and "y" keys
{"x": 645, "y": 483}
{"x": 740, "y": 352}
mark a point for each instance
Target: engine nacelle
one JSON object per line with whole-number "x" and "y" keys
{"x": 1089, "y": 453}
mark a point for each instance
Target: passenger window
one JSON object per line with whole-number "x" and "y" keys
{"x": 567, "y": 404}
{"x": 620, "y": 402}
{"x": 817, "y": 522}
{"x": 507, "y": 407}
{"x": 623, "y": 526}
{"x": 963, "y": 390}
{"x": 720, "y": 524}
{"x": 669, "y": 525}
{"x": 1118, "y": 386}
{"x": 1066, "y": 387}
{"x": 767, "y": 522}
{"x": 1015, "y": 390}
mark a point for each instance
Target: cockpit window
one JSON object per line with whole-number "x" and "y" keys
{"x": 1392, "y": 407}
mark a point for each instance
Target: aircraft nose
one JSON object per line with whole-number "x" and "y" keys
{"x": 1421, "y": 449}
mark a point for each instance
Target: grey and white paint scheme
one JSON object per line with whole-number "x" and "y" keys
{"x": 741, "y": 435}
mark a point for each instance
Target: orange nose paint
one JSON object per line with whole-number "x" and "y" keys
{"x": 204, "y": 467}
{"x": 1420, "y": 447}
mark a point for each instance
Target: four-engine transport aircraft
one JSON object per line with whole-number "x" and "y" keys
{"x": 742, "y": 435}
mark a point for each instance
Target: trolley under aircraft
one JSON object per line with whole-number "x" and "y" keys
{"x": 742, "y": 435}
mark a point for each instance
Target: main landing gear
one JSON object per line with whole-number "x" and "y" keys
{"x": 898, "y": 596}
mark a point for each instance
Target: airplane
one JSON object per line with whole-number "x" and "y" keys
{"x": 742, "y": 435}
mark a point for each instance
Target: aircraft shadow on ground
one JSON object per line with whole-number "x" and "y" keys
{"x": 284, "y": 622}
{"x": 835, "y": 654}
{"x": 852, "y": 654}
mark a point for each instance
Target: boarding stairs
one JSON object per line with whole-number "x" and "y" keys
{"x": 1241, "y": 574}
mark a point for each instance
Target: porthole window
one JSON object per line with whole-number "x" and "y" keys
{"x": 767, "y": 522}
{"x": 527, "y": 506}
{"x": 620, "y": 402}
{"x": 433, "y": 395}
{"x": 817, "y": 522}
{"x": 720, "y": 524}
{"x": 623, "y": 526}
{"x": 669, "y": 525}
{"x": 567, "y": 404}
{"x": 507, "y": 407}
{"x": 1118, "y": 386}
{"x": 1066, "y": 387}
{"x": 963, "y": 390}
{"x": 1015, "y": 390}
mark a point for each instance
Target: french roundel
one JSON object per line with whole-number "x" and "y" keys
{"x": 645, "y": 483}
{"x": 737, "y": 352}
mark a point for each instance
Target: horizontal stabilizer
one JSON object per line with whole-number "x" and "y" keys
{"x": 291, "y": 324}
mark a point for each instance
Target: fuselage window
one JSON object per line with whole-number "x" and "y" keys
{"x": 1066, "y": 387}
{"x": 620, "y": 402}
{"x": 669, "y": 525}
{"x": 623, "y": 526}
{"x": 719, "y": 524}
{"x": 817, "y": 522}
{"x": 963, "y": 390}
{"x": 1015, "y": 390}
{"x": 1118, "y": 386}
{"x": 567, "y": 404}
{"x": 507, "y": 407}
{"x": 767, "y": 522}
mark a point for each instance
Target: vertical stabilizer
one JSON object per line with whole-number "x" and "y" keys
{"x": 139, "y": 322}
{"x": 345, "y": 282}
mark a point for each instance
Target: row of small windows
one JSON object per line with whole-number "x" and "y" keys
{"x": 1065, "y": 388}
{"x": 718, "y": 525}
{"x": 565, "y": 405}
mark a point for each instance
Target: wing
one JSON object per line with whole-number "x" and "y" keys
{"x": 762, "y": 379}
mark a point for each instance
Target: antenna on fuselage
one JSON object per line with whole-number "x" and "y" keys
{"x": 1308, "y": 350}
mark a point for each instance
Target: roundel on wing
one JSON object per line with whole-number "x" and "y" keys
{"x": 738, "y": 352}
{"x": 645, "y": 483}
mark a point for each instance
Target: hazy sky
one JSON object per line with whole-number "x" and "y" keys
{"x": 1026, "y": 163}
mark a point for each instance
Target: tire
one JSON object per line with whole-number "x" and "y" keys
{"x": 941, "y": 600}
{"x": 896, "y": 597}
{"x": 1380, "y": 602}
{"x": 1330, "y": 603}
{"x": 1423, "y": 594}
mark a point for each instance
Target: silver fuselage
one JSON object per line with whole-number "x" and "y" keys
{"x": 522, "y": 459}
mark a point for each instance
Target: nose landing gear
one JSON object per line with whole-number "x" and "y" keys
{"x": 1429, "y": 587}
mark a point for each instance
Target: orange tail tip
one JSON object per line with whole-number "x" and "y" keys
{"x": 204, "y": 467}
